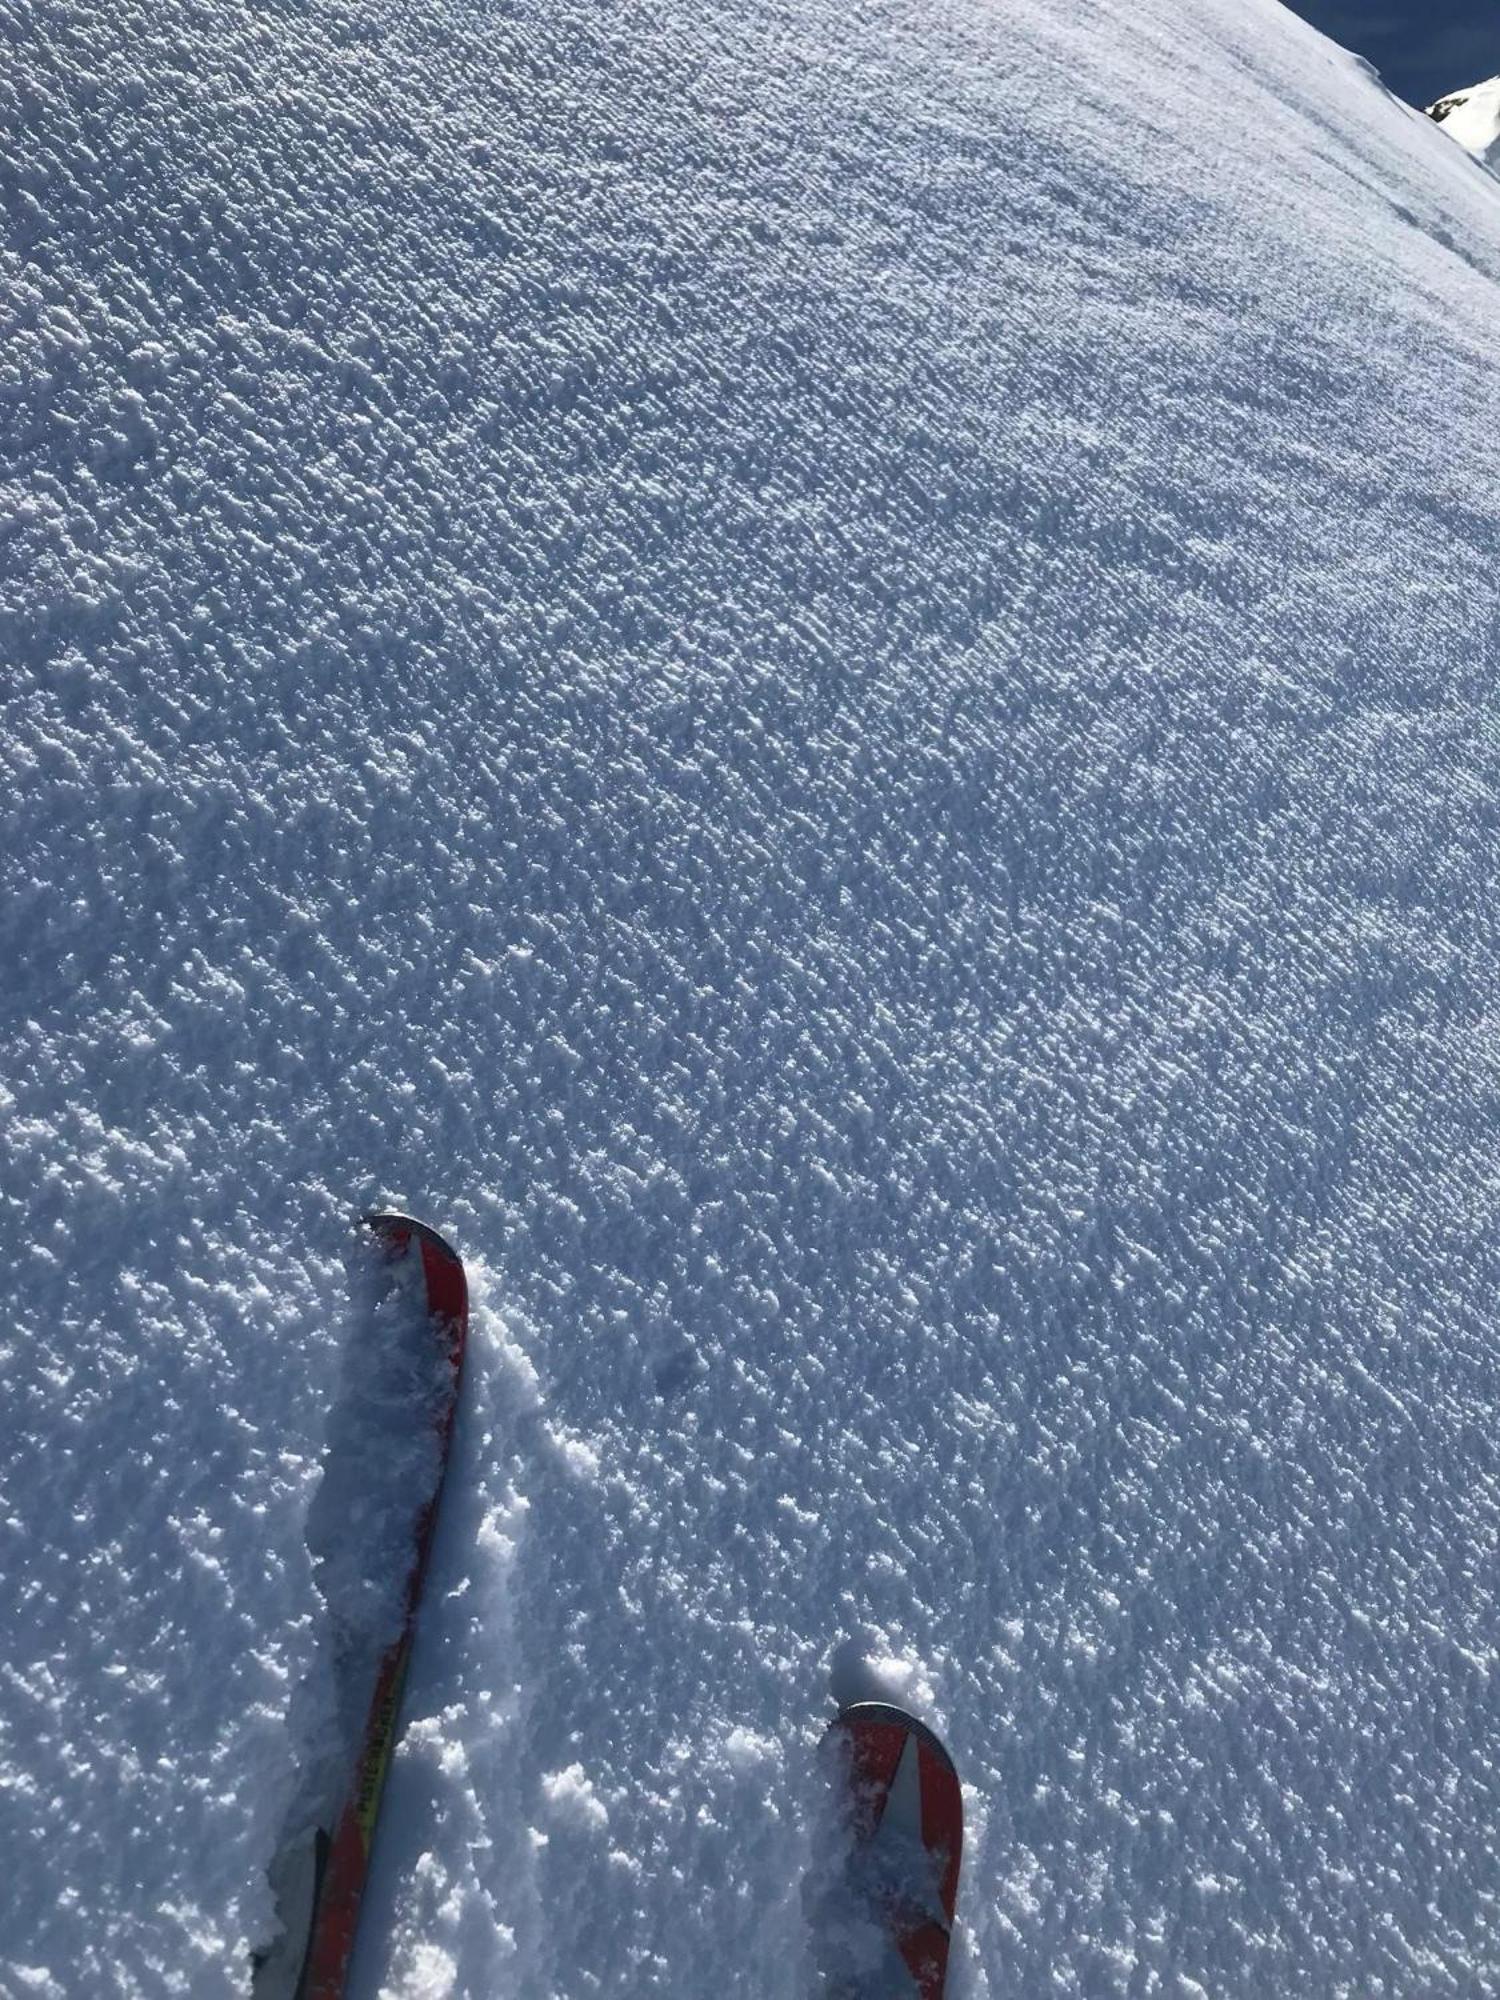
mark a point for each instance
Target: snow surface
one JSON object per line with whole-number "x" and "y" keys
{"x": 1472, "y": 117}
{"x": 825, "y": 676}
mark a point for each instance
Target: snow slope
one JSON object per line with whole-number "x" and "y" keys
{"x": 1472, "y": 117}
{"x": 824, "y": 676}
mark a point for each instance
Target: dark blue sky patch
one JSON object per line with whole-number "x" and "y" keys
{"x": 1422, "y": 50}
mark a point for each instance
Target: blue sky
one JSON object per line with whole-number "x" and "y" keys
{"x": 1422, "y": 48}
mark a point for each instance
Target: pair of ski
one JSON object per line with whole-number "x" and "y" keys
{"x": 902, "y": 1809}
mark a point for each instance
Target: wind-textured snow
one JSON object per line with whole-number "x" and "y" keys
{"x": 825, "y": 677}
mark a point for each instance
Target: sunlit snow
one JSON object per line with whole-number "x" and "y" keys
{"x": 824, "y": 676}
{"x": 1472, "y": 117}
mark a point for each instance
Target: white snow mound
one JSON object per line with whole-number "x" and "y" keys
{"x": 1472, "y": 117}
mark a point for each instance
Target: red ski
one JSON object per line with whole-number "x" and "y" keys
{"x": 904, "y": 1809}
{"x": 322, "y": 1883}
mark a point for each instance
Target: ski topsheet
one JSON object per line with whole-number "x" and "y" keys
{"x": 903, "y": 1813}
{"x": 320, "y": 1881}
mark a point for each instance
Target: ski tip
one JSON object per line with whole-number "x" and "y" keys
{"x": 855, "y": 1713}
{"x": 903, "y": 1806}
{"x": 443, "y": 1268}
{"x": 394, "y": 1228}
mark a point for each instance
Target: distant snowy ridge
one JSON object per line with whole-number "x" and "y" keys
{"x": 1472, "y": 117}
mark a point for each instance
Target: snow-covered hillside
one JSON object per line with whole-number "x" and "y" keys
{"x": 825, "y": 677}
{"x": 1472, "y": 117}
